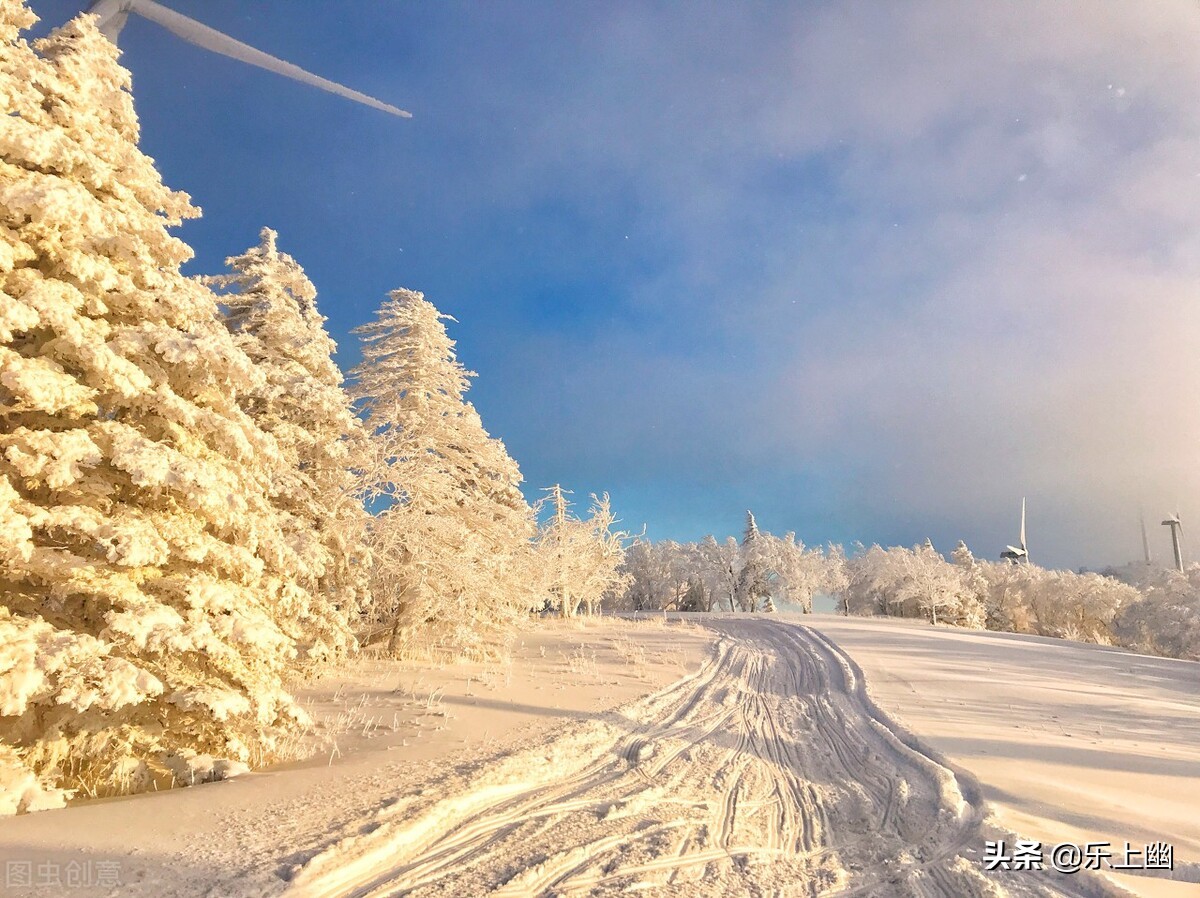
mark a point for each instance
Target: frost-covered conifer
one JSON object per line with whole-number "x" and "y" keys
{"x": 272, "y": 312}
{"x": 450, "y": 545}
{"x": 754, "y": 569}
{"x": 143, "y": 577}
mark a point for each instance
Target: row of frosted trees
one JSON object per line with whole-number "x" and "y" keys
{"x": 1152, "y": 610}
{"x": 757, "y": 574}
{"x": 185, "y": 478}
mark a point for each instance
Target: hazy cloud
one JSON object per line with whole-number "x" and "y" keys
{"x": 944, "y": 253}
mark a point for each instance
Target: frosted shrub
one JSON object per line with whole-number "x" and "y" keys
{"x": 1018, "y": 598}
{"x": 1165, "y": 617}
{"x": 580, "y": 559}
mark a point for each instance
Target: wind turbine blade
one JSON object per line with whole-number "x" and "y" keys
{"x": 111, "y": 16}
{"x": 1023, "y": 524}
{"x": 210, "y": 39}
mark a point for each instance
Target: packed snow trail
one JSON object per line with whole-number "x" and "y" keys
{"x": 769, "y": 772}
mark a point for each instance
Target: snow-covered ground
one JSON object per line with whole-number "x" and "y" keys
{"x": 400, "y": 730}
{"x": 754, "y": 757}
{"x": 1072, "y": 742}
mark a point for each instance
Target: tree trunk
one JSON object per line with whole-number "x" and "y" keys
{"x": 397, "y": 628}
{"x": 394, "y": 639}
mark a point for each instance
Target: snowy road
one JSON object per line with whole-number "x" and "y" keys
{"x": 768, "y": 772}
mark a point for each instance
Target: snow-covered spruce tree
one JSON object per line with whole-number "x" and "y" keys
{"x": 452, "y": 537}
{"x": 972, "y": 606}
{"x": 143, "y": 579}
{"x": 271, "y": 309}
{"x": 754, "y": 572}
{"x": 696, "y": 597}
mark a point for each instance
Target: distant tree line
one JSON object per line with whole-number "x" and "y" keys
{"x": 1150, "y": 609}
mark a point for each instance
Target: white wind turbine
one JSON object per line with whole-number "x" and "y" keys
{"x": 1017, "y": 554}
{"x": 113, "y": 13}
{"x": 1176, "y": 543}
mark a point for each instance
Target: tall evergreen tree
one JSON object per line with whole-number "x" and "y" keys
{"x": 271, "y": 309}
{"x": 452, "y": 535}
{"x": 143, "y": 575}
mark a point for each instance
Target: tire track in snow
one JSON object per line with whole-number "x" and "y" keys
{"x": 769, "y": 772}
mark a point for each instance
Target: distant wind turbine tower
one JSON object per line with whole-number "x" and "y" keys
{"x": 1145, "y": 539}
{"x": 113, "y": 13}
{"x": 1018, "y": 554}
{"x": 1176, "y": 539}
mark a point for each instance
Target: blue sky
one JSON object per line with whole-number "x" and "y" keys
{"x": 872, "y": 270}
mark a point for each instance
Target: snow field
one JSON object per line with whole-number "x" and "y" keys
{"x": 769, "y": 771}
{"x": 452, "y": 721}
{"x": 812, "y": 755}
{"x": 1069, "y": 742}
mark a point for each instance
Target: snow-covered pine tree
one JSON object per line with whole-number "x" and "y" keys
{"x": 751, "y": 533}
{"x": 452, "y": 537}
{"x": 271, "y": 309}
{"x": 753, "y": 573}
{"x": 142, "y": 575}
{"x": 973, "y": 595}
